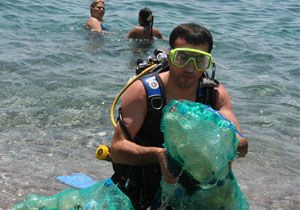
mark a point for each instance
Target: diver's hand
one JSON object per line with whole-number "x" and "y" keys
{"x": 162, "y": 159}
{"x": 242, "y": 147}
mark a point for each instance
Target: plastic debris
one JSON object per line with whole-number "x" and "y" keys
{"x": 200, "y": 143}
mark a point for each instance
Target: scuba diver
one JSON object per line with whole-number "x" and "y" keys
{"x": 145, "y": 30}
{"x": 137, "y": 152}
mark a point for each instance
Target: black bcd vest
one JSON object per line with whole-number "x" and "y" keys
{"x": 141, "y": 183}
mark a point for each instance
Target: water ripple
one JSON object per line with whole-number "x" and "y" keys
{"x": 58, "y": 80}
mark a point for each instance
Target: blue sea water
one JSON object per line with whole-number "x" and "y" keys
{"x": 58, "y": 81}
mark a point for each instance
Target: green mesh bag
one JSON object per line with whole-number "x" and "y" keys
{"x": 104, "y": 195}
{"x": 201, "y": 143}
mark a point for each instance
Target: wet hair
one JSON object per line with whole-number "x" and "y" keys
{"x": 193, "y": 34}
{"x": 95, "y": 2}
{"x": 146, "y": 18}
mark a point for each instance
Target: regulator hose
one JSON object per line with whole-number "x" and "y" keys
{"x": 113, "y": 106}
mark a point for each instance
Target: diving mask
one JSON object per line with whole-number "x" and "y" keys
{"x": 182, "y": 56}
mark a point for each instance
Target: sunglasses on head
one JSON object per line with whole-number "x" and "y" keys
{"x": 182, "y": 56}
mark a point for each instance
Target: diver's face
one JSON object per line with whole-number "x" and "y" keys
{"x": 186, "y": 76}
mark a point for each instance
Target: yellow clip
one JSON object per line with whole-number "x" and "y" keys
{"x": 103, "y": 153}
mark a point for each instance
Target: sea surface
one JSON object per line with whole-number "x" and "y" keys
{"x": 58, "y": 81}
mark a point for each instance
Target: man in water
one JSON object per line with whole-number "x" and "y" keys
{"x": 145, "y": 30}
{"x": 136, "y": 151}
{"x": 95, "y": 22}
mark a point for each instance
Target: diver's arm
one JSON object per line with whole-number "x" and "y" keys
{"x": 224, "y": 105}
{"x": 123, "y": 150}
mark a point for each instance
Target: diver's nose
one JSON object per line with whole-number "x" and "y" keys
{"x": 189, "y": 67}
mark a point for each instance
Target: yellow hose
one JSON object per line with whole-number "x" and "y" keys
{"x": 112, "y": 110}
{"x": 102, "y": 152}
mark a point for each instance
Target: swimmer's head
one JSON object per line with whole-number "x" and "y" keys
{"x": 145, "y": 17}
{"x": 97, "y": 9}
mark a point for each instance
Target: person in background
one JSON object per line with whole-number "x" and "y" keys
{"x": 137, "y": 152}
{"x": 95, "y": 22}
{"x": 145, "y": 30}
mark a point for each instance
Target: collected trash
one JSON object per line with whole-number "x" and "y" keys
{"x": 104, "y": 195}
{"x": 200, "y": 143}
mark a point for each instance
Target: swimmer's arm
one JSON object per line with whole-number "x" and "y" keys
{"x": 157, "y": 33}
{"x": 93, "y": 25}
{"x": 224, "y": 105}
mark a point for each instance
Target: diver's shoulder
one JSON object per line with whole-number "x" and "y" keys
{"x": 135, "y": 90}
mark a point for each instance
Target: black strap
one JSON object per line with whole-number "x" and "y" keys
{"x": 155, "y": 92}
{"x": 206, "y": 93}
{"x": 124, "y": 128}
